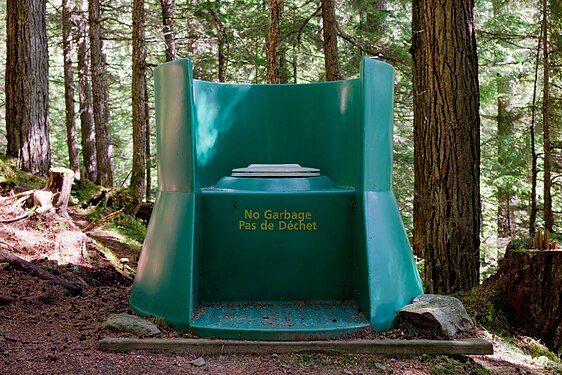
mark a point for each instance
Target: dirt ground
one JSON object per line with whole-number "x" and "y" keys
{"x": 45, "y": 330}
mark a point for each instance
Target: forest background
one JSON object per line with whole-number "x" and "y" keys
{"x": 520, "y": 84}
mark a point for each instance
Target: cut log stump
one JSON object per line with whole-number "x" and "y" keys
{"x": 530, "y": 283}
{"x": 60, "y": 183}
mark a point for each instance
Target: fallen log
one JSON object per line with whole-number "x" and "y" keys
{"x": 33, "y": 270}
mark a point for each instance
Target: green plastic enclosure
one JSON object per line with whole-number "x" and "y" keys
{"x": 275, "y": 258}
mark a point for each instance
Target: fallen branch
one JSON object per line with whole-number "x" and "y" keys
{"x": 10, "y": 246}
{"x": 36, "y": 271}
{"x": 102, "y": 221}
{"x": 17, "y": 218}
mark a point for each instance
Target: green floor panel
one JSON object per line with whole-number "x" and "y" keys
{"x": 279, "y": 321}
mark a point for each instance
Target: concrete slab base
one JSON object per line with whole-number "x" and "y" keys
{"x": 382, "y": 347}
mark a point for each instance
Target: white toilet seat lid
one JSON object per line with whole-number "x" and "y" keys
{"x": 275, "y": 170}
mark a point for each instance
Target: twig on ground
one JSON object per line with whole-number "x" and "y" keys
{"x": 10, "y": 246}
{"x": 102, "y": 221}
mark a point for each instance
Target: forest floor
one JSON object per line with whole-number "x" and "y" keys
{"x": 45, "y": 330}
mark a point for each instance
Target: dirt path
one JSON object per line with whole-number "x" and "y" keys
{"x": 47, "y": 331}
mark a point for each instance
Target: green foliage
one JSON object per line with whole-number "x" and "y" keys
{"x": 11, "y": 176}
{"x": 536, "y": 349}
{"x": 131, "y": 230}
{"x": 8, "y": 177}
{"x": 484, "y": 307}
{"x": 507, "y": 42}
{"x": 463, "y": 365}
{"x": 162, "y": 323}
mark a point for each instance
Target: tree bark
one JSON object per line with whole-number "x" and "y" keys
{"x": 529, "y": 284}
{"x": 505, "y": 129}
{"x": 273, "y": 41}
{"x": 168, "y": 22}
{"x": 138, "y": 101}
{"x": 376, "y": 16}
{"x": 85, "y": 95}
{"x": 100, "y": 91}
{"x": 222, "y": 44}
{"x": 147, "y": 145}
{"x": 27, "y": 85}
{"x": 71, "y": 141}
{"x": 534, "y": 156}
{"x": 547, "y": 182}
{"x": 330, "y": 33}
{"x": 446, "y": 144}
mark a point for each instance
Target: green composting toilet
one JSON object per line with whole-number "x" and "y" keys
{"x": 275, "y": 217}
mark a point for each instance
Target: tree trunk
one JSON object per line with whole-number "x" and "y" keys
{"x": 446, "y": 144}
{"x": 168, "y": 22}
{"x": 330, "y": 33}
{"x": 505, "y": 129}
{"x": 85, "y": 96}
{"x": 376, "y": 17}
{"x": 148, "y": 189}
{"x": 529, "y": 292}
{"x": 222, "y": 42}
{"x": 27, "y": 85}
{"x": 547, "y": 182}
{"x": 534, "y": 156}
{"x": 69, "y": 90}
{"x": 273, "y": 41}
{"x": 100, "y": 91}
{"x": 138, "y": 101}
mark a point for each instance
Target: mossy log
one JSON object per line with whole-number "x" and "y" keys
{"x": 531, "y": 290}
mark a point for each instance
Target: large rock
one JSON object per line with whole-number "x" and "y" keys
{"x": 431, "y": 311}
{"x": 131, "y": 323}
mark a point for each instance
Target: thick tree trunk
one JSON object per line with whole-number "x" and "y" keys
{"x": 529, "y": 289}
{"x": 85, "y": 95}
{"x": 27, "y": 85}
{"x": 100, "y": 91}
{"x": 273, "y": 41}
{"x": 330, "y": 33}
{"x": 447, "y": 144}
{"x": 69, "y": 89}
{"x": 139, "y": 121}
{"x": 168, "y": 22}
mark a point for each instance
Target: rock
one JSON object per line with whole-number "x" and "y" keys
{"x": 380, "y": 366}
{"x": 347, "y": 372}
{"x": 199, "y": 362}
{"x": 131, "y": 323}
{"x": 431, "y": 311}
